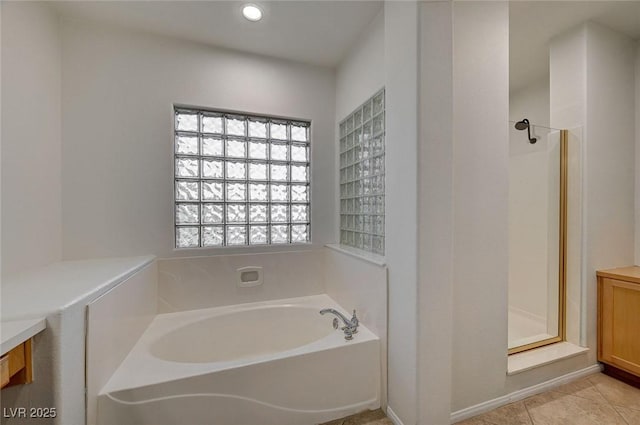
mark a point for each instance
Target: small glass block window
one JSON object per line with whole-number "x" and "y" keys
{"x": 240, "y": 179}
{"x": 362, "y": 136}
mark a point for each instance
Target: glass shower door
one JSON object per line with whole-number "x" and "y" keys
{"x": 537, "y": 236}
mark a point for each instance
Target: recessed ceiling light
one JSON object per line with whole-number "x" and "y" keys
{"x": 252, "y": 12}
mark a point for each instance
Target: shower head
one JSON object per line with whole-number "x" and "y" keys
{"x": 524, "y": 125}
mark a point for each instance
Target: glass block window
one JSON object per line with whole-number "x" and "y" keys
{"x": 362, "y": 176}
{"x": 240, "y": 180}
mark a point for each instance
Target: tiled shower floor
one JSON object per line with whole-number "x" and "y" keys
{"x": 524, "y": 330}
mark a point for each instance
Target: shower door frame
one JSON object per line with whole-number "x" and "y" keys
{"x": 562, "y": 263}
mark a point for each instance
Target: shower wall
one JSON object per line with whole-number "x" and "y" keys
{"x": 531, "y": 102}
{"x": 530, "y": 199}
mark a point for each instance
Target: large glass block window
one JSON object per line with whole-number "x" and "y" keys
{"x": 362, "y": 176}
{"x": 240, "y": 180}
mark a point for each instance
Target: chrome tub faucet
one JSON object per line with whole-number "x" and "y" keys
{"x": 350, "y": 325}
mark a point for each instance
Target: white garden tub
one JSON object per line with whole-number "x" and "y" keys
{"x": 268, "y": 363}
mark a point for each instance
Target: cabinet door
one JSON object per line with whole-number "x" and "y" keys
{"x": 620, "y": 324}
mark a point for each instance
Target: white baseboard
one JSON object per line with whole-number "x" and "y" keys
{"x": 394, "y": 418}
{"x": 481, "y": 408}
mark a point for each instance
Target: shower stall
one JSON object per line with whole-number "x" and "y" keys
{"x": 537, "y": 235}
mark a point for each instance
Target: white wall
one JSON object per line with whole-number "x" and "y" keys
{"x": 353, "y": 282}
{"x": 598, "y": 97}
{"x": 610, "y": 152}
{"x": 568, "y": 79}
{"x": 359, "y": 76}
{"x": 601, "y": 99}
{"x": 361, "y": 73}
{"x": 435, "y": 214}
{"x": 401, "y": 228}
{"x": 0, "y": 142}
{"x": 371, "y": 64}
{"x": 480, "y": 250}
{"x": 637, "y": 182}
{"x": 31, "y": 140}
{"x": 118, "y": 91}
{"x": 592, "y": 87}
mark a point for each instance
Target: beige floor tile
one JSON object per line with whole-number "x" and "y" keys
{"x": 473, "y": 421}
{"x": 542, "y": 399}
{"x": 365, "y": 418}
{"x": 368, "y": 417}
{"x": 595, "y": 400}
{"x": 630, "y": 415}
{"x": 385, "y": 421}
{"x": 554, "y": 408}
{"x": 511, "y": 414}
{"x": 334, "y": 422}
{"x": 616, "y": 392}
{"x": 581, "y": 388}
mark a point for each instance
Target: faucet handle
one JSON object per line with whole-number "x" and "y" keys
{"x": 348, "y": 333}
{"x": 354, "y": 319}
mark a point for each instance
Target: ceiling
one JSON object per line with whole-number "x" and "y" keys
{"x": 313, "y": 32}
{"x": 320, "y": 32}
{"x": 532, "y": 24}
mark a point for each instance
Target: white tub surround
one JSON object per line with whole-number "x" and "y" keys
{"x": 356, "y": 282}
{"x": 204, "y": 282}
{"x": 283, "y": 364}
{"x": 115, "y": 322}
{"x": 60, "y": 292}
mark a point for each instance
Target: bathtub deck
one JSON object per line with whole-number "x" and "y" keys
{"x": 140, "y": 368}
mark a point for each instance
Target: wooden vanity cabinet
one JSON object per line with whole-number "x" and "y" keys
{"x": 15, "y": 366}
{"x": 619, "y": 322}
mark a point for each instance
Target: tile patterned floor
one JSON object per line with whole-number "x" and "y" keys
{"x": 594, "y": 400}
{"x": 369, "y": 417}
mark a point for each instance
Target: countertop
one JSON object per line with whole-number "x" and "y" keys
{"x": 15, "y": 332}
{"x": 37, "y": 293}
{"x": 28, "y": 298}
{"x": 630, "y": 274}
